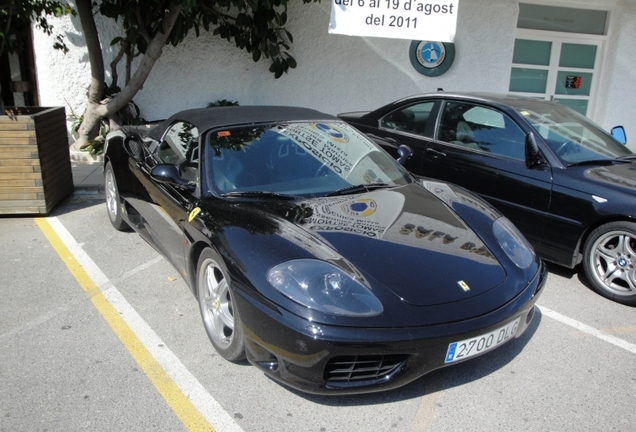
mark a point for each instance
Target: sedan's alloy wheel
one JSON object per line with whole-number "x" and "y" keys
{"x": 611, "y": 261}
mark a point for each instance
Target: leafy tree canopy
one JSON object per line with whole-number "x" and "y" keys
{"x": 256, "y": 26}
{"x": 16, "y": 17}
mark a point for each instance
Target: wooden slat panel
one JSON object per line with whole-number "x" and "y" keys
{"x": 21, "y": 196}
{"x": 20, "y": 183}
{"x": 17, "y": 169}
{"x": 21, "y": 176}
{"x": 17, "y": 141}
{"x": 21, "y": 189}
{"x": 35, "y": 166}
{"x": 22, "y": 203}
{"x": 19, "y": 162}
{"x": 19, "y": 155}
{"x": 8, "y": 148}
{"x": 17, "y": 134}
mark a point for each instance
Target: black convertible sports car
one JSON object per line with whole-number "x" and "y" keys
{"x": 313, "y": 253}
{"x": 566, "y": 184}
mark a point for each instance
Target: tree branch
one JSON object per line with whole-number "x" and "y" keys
{"x": 153, "y": 52}
{"x": 142, "y": 27}
{"x": 85, "y": 12}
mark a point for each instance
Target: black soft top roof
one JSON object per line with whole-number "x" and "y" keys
{"x": 215, "y": 117}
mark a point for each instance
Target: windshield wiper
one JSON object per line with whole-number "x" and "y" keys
{"x": 626, "y": 158}
{"x": 593, "y": 162}
{"x": 258, "y": 194}
{"x": 358, "y": 189}
{"x": 620, "y": 159}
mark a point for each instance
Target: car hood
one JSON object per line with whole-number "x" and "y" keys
{"x": 404, "y": 240}
{"x": 620, "y": 175}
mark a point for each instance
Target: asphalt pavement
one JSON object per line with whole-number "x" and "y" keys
{"x": 98, "y": 332}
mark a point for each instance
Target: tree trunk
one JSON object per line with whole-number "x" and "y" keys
{"x": 89, "y": 128}
{"x": 97, "y": 109}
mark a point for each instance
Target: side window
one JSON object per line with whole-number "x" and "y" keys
{"x": 180, "y": 145}
{"x": 481, "y": 128}
{"x": 412, "y": 119}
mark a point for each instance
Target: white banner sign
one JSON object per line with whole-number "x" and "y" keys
{"x": 398, "y": 19}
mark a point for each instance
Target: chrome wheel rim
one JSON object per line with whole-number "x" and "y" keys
{"x": 111, "y": 195}
{"x": 218, "y": 315}
{"x": 613, "y": 262}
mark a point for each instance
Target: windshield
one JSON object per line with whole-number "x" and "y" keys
{"x": 573, "y": 137}
{"x": 298, "y": 159}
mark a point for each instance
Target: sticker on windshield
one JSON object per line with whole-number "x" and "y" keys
{"x": 223, "y": 134}
{"x": 334, "y": 133}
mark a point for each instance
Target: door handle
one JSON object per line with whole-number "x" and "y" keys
{"x": 435, "y": 153}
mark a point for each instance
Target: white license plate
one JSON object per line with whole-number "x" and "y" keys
{"x": 480, "y": 344}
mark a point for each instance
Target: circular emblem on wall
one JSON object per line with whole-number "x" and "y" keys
{"x": 431, "y": 58}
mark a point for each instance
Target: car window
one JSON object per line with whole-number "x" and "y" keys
{"x": 481, "y": 128}
{"x": 412, "y": 119}
{"x": 180, "y": 146}
{"x": 296, "y": 158}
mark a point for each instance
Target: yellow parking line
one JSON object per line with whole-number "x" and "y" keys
{"x": 174, "y": 397}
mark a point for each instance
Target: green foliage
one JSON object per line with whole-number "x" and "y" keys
{"x": 16, "y": 17}
{"x": 256, "y": 26}
{"x": 222, "y": 102}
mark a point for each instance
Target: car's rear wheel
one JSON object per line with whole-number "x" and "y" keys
{"x": 218, "y": 308}
{"x": 610, "y": 261}
{"x": 113, "y": 200}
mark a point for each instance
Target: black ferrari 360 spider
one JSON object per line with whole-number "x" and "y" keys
{"x": 313, "y": 253}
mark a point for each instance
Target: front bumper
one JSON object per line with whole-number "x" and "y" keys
{"x": 324, "y": 359}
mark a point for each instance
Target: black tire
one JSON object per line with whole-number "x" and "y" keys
{"x": 609, "y": 261}
{"x": 114, "y": 203}
{"x": 218, "y": 308}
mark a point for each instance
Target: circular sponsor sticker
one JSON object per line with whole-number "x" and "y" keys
{"x": 335, "y": 134}
{"x": 360, "y": 207}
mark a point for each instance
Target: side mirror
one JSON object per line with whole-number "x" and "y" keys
{"x": 404, "y": 153}
{"x": 533, "y": 155}
{"x": 618, "y": 133}
{"x": 169, "y": 174}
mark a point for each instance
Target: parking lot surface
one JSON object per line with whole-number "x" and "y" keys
{"x": 99, "y": 332}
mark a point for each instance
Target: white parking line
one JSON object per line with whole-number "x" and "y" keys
{"x": 209, "y": 408}
{"x": 588, "y": 329}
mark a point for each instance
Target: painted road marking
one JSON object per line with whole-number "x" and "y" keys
{"x": 189, "y": 400}
{"x": 588, "y": 329}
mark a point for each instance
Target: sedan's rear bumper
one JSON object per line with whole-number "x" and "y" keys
{"x": 323, "y": 359}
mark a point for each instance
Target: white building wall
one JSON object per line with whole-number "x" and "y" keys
{"x": 338, "y": 73}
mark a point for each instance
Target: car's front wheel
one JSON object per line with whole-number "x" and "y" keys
{"x": 218, "y": 308}
{"x": 610, "y": 261}
{"x": 113, "y": 200}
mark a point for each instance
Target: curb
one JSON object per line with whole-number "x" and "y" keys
{"x": 88, "y": 190}
{"x": 77, "y": 156}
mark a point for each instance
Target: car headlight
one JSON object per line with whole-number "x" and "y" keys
{"x": 513, "y": 243}
{"x": 324, "y": 287}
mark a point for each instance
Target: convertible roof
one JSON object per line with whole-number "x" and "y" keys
{"x": 215, "y": 117}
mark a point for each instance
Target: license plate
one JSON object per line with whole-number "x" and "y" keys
{"x": 480, "y": 344}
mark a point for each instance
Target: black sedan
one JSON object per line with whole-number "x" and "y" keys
{"x": 313, "y": 253}
{"x": 566, "y": 184}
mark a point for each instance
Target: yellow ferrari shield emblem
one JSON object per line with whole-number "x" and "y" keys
{"x": 464, "y": 285}
{"x": 195, "y": 211}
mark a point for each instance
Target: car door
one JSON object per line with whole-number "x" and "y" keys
{"x": 483, "y": 149}
{"x": 412, "y": 125}
{"x": 164, "y": 207}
